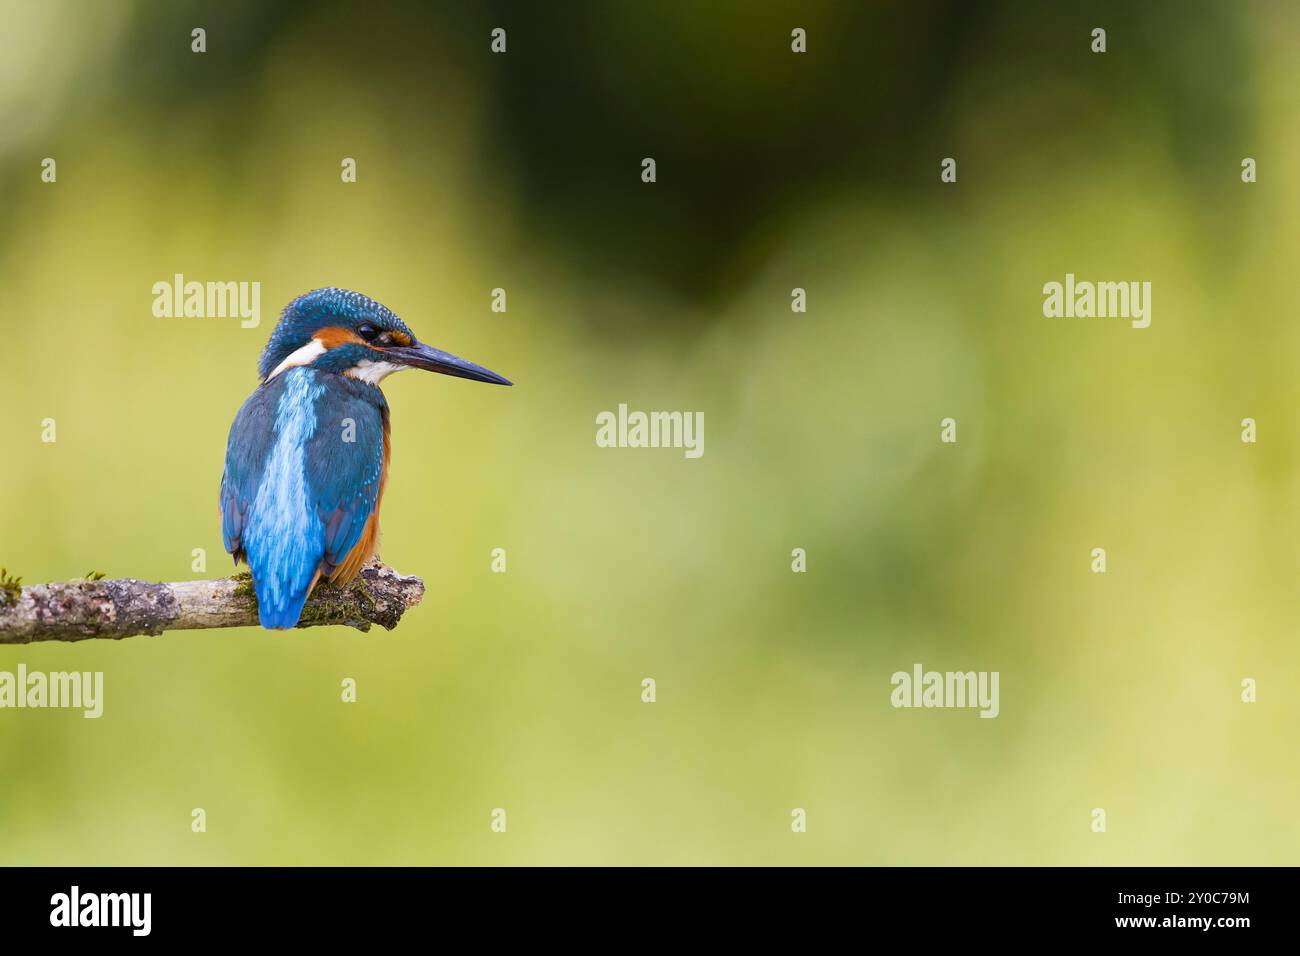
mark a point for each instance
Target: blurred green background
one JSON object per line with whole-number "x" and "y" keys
{"x": 522, "y": 690}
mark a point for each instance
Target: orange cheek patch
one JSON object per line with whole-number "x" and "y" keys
{"x": 399, "y": 338}
{"x": 334, "y": 336}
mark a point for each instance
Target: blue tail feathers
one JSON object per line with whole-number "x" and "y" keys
{"x": 278, "y": 612}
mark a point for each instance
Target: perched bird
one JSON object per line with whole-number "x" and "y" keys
{"x": 308, "y": 452}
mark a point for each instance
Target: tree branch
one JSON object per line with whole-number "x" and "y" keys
{"x": 126, "y": 607}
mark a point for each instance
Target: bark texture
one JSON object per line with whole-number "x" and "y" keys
{"x": 79, "y": 610}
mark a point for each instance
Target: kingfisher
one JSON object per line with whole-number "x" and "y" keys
{"x": 308, "y": 452}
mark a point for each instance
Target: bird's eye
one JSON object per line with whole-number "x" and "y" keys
{"x": 368, "y": 332}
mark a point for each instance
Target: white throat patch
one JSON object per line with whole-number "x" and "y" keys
{"x": 373, "y": 372}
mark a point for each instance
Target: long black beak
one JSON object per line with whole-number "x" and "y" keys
{"x": 419, "y": 355}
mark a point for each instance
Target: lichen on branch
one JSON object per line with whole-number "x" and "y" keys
{"x": 126, "y": 607}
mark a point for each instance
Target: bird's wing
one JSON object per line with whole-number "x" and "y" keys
{"x": 251, "y": 436}
{"x": 345, "y": 466}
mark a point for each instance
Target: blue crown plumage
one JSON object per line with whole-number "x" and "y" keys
{"x": 319, "y": 309}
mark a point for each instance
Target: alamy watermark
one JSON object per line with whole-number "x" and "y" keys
{"x": 208, "y": 300}
{"x": 59, "y": 689}
{"x": 75, "y": 908}
{"x": 1100, "y": 300}
{"x": 626, "y": 429}
{"x": 922, "y": 688}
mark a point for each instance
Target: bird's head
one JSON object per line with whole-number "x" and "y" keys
{"x": 347, "y": 333}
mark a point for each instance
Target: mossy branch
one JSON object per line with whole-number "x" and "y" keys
{"x": 125, "y": 607}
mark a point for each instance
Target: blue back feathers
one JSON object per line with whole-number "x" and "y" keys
{"x": 303, "y": 472}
